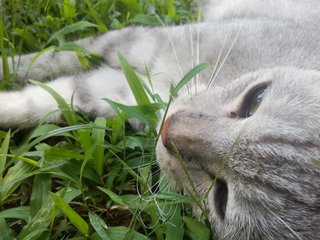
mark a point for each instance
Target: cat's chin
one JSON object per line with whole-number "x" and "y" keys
{"x": 170, "y": 166}
{"x": 213, "y": 191}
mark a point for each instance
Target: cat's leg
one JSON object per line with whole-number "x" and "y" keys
{"x": 39, "y": 67}
{"x": 141, "y": 46}
{"x": 20, "y": 109}
{"x": 136, "y": 43}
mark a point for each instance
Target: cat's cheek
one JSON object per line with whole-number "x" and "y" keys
{"x": 170, "y": 166}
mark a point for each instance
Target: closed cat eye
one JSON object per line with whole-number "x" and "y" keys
{"x": 253, "y": 100}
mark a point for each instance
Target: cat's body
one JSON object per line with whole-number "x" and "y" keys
{"x": 269, "y": 185}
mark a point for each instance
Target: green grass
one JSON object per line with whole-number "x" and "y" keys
{"x": 89, "y": 179}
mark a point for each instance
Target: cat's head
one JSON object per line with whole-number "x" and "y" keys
{"x": 258, "y": 139}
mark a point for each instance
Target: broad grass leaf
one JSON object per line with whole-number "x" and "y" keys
{"x": 117, "y": 233}
{"x": 13, "y": 178}
{"x": 40, "y": 192}
{"x": 80, "y": 238}
{"x": 25, "y": 159}
{"x": 3, "y": 151}
{"x": 22, "y": 212}
{"x": 98, "y": 138}
{"x": 58, "y": 153}
{"x": 171, "y": 9}
{"x": 192, "y": 73}
{"x": 85, "y": 57}
{"x": 45, "y": 129}
{"x": 144, "y": 19}
{"x": 125, "y": 165}
{"x": 174, "y": 223}
{"x": 3, "y": 134}
{"x": 101, "y": 26}
{"x": 114, "y": 197}
{"x": 134, "y": 81}
{"x": 133, "y": 5}
{"x": 5, "y": 231}
{"x": 57, "y": 132}
{"x": 81, "y": 25}
{"x": 99, "y": 226}
{"x": 43, "y": 217}
{"x": 85, "y": 140}
{"x": 28, "y": 37}
{"x": 3, "y": 49}
{"x": 133, "y": 113}
{"x": 123, "y": 232}
{"x": 198, "y": 231}
{"x": 72, "y": 215}
{"x": 69, "y": 9}
{"x": 35, "y": 234}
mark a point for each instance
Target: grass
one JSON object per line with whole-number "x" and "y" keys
{"x": 88, "y": 179}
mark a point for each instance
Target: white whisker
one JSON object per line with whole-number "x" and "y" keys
{"x": 198, "y": 60}
{"x": 227, "y": 55}
{"x": 218, "y": 59}
{"x": 173, "y": 48}
{"x": 191, "y": 49}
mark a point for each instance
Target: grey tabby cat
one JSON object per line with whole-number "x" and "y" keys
{"x": 256, "y": 111}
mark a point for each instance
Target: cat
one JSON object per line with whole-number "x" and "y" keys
{"x": 249, "y": 123}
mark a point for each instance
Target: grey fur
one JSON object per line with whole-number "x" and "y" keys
{"x": 272, "y": 180}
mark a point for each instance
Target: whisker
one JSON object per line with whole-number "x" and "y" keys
{"x": 198, "y": 60}
{"x": 227, "y": 55}
{"x": 218, "y": 59}
{"x": 191, "y": 48}
{"x": 173, "y": 48}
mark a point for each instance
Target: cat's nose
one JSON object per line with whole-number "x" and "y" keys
{"x": 164, "y": 131}
{"x": 185, "y": 133}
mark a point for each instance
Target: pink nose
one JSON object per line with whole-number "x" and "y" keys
{"x": 164, "y": 130}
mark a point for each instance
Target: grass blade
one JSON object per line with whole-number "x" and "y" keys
{"x": 3, "y": 152}
{"x": 98, "y": 138}
{"x": 18, "y": 212}
{"x": 5, "y": 231}
{"x": 134, "y": 82}
{"x": 3, "y": 50}
{"x": 69, "y": 29}
{"x": 198, "y": 230}
{"x": 74, "y": 217}
{"x": 132, "y": 112}
{"x": 99, "y": 225}
{"x": 122, "y": 232}
{"x": 193, "y": 72}
{"x": 40, "y": 193}
{"x": 47, "y": 212}
{"x": 13, "y": 178}
{"x": 69, "y": 8}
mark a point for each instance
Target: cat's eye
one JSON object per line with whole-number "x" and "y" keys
{"x": 253, "y": 100}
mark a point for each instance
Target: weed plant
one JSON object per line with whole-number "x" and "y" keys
{"x": 88, "y": 179}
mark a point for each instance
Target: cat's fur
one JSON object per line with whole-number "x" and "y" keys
{"x": 269, "y": 177}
